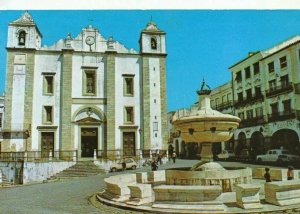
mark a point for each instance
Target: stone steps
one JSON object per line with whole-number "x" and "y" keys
{"x": 80, "y": 169}
{"x": 5, "y": 182}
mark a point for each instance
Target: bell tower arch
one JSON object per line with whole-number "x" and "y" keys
{"x": 24, "y": 33}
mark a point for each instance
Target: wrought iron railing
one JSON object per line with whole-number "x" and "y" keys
{"x": 252, "y": 122}
{"x": 248, "y": 100}
{"x": 223, "y": 106}
{"x": 39, "y": 156}
{"x": 275, "y": 90}
{"x": 136, "y": 154}
{"x": 284, "y": 115}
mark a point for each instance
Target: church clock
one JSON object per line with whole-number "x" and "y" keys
{"x": 90, "y": 40}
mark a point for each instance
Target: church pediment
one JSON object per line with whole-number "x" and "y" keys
{"x": 89, "y": 120}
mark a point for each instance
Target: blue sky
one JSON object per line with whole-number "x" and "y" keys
{"x": 200, "y": 43}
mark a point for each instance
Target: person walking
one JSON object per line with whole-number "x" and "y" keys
{"x": 290, "y": 173}
{"x": 159, "y": 159}
{"x": 154, "y": 166}
{"x": 123, "y": 165}
{"x": 267, "y": 175}
{"x": 174, "y": 157}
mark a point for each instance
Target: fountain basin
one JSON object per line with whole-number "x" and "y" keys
{"x": 227, "y": 179}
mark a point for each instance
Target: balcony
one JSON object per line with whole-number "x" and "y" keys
{"x": 276, "y": 90}
{"x": 284, "y": 115}
{"x": 252, "y": 122}
{"x": 224, "y": 105}
{"x": 249, "y": 100}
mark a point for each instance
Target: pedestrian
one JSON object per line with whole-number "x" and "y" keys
{"x": 267, "y": 175}
{"x": 170, "y": 151}
{"x": 290, "y": 173}
{"x": 174, "y": 157}
{"x": 123, "y": 165}
{"x": 154, "y": 166}
{"x": 159, "y": 159}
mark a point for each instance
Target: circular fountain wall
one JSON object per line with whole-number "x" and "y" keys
{"x": 226, "y": 178}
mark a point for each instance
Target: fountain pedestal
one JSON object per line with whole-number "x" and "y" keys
{"x": 206, "y": 152}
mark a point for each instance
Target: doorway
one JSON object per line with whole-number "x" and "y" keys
{"x": 47, "y": 143}
{"x": 129, "y": 143}
{"x": 89, "y": 141}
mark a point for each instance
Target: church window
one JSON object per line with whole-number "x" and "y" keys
{"x": 89, "y": 82}
{"x": 128, "y": 86}
{"x": 48, "y": 114}
{"x": 129, "y": 114}
{"x": 155, "y": 126}
{"x": 48, "y": 84}
{"x": 22, "y": 38}
{"x": 153, "y": 43}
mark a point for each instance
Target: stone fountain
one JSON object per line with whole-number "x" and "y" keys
{"x": 206, "y": 126}
{"x": 207, "y": 187}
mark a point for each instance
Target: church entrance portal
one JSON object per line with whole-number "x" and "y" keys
{"x": 89, "y": 141}
{"x": 47, "y": 143}
{"x": 129, "y": 143}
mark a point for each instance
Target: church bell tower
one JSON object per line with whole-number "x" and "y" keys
{"x": 24, "y": 33}
{"x": 153, "y": 99}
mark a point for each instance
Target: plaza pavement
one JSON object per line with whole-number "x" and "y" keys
{"x": 69, "y": 196}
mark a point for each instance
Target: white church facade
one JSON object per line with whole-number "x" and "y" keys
{"x": 84, "y": 93}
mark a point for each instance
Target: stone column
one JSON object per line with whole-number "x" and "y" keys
{"x": 8, "y": 97}
{"x": 28, "y": 101}
{"x": 66, "y": 138}
{"x": 163, "y": 101}
{"x": 145, "y": 100}
{"x": 110, "y": 94}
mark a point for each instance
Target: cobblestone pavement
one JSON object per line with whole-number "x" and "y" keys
{"x": 69, "y": 196}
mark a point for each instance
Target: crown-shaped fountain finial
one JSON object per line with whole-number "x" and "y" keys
{"x": 205, "y": 89}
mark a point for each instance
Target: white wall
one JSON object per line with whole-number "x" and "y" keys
{"x": 49, "y": 63}
{"x": 126, "y": 65}
{"x": 155, "y": 107}
{"x": 34, "y": 172}
{"x": 18, "y": 95}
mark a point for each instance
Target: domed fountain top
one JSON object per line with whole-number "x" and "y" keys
{"x": 205, "y": 111}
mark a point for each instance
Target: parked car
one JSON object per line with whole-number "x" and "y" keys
{"x": 130, "y": 164}
{"x": 226, "y": 155}
{"x": 279, "y": 156}
{"x": 244, "y": 156}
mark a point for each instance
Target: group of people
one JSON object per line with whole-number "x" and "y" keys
{"x": 290, "y": 174}
{"x": 154, "y": 163}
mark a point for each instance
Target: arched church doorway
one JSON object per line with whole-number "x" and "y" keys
{"x": 89, "y": 141}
